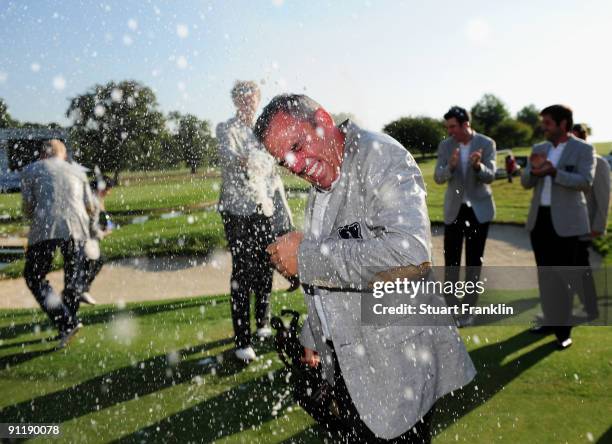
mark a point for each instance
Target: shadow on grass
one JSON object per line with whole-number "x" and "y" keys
{"x": 244, "y": 407}
{"x": 606, "y": 437}
{"x": 6, "y": 362}
{"x": 106, "y": 314}
{"x": 124, "y": 384}
{"x": 492, "y": 376}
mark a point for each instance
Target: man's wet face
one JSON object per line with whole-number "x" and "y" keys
{"x": 303, "y": 149}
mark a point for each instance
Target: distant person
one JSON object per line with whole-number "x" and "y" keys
{"x": 510, "y": 166}
{"x": 252, "y": 198}
{"x": 58, "y": 201}
{"x": 560, "y": 171}
{"x": 100, "y": 226}
{"x": 466, "y": 160}
{"x": 598, "y": 205}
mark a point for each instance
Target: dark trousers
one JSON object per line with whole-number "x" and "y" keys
{"x": 248, "y": 237}
{"x": 39, "y": 257}
{"x": 557, "y": 284}
{"x": 92, "y": 268}
{"x": 420, "y": 433}
{"x": 587, "y": 293}
{"x": 475, "y": 233}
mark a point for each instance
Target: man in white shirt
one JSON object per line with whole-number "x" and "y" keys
{"x": 252, "y": 200}
{"x": 560, "y": 171}
{"x": 466, "y": 161}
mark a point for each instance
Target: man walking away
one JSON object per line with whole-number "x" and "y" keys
{"x": 58, "y": 201}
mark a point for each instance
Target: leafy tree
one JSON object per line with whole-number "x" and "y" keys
{"x": 6, "y": 121}
{"x": 530, "y": 115}
{"x": 417, "y": 133}
{"x": 511, "y": 133}
{"x": 192, "y": 141}
{"x": 118, "y": 126}
{"x": 488, "y": 112}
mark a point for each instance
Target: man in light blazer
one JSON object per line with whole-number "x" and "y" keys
{"x": 466, "y": 161}
{"x": 366, "y": 209}
{"x": 560, "y": 171}
{"x": 598, "y": 205}
{"x": 57, "y": 199}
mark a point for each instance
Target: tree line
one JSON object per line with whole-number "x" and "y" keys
{"x": 490, "y": 116}
{"x": 119, "y": 126}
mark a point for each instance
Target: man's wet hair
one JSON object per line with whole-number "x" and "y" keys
{"x": 559, "y": 113}
{"x": 244, "y": 88}
{"x": 296, "y": 105}
{"x": 461, "y": 114}
{"x": 581, "y": 129}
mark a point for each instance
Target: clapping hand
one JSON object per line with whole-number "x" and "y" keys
{"x": 454, "y": 159}
{"x": 475, "y": 158}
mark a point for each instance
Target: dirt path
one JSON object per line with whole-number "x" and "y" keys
{"x": 148, "y": 279}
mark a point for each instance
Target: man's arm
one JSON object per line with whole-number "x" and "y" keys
{"x": 528, "y": 180}
{"x": 230, "y": 157}
{"x": 486, "y": 174}
{"x": 443, "y": 171}
{"x": 396, "y": 212}
{"x": 27, "y": 196}
{"x": 582, "y": 178}
{"x": 601, "y": 195}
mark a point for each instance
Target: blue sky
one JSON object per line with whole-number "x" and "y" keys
{"x": 376, "y": 59}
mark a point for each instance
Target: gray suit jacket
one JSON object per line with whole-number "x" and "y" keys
{"x": 57, "y": 198}
{"x": 475, "y": 184}
{"x": 574, "y": 178}
{"x": 598, "y": 199}
{"x": 380, "y": 195}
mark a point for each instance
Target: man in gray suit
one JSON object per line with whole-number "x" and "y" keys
{"x": 598, "y": 205}
{"x": 57, "y": 200}
{"x": 560, "y": 171}
{"x": 366, "y": 209}
{"x": 466, "y": 160}
{"x": 252, "y": 205}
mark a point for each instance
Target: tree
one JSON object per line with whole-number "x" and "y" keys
{"x": 118, "y": 126}
{"x": 488, "y": 112}
{"x": 530, "y": 115}
{"x": 417, "y": 133}
{"x": 511, "y": 133}
{"x": 192, "y": 141}
{"x": 6, "y": 121}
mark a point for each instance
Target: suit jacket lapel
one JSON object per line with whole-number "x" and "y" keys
{"x": 568, "y": 146}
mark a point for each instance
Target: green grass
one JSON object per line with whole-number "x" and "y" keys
{"x": 135, "y": 375}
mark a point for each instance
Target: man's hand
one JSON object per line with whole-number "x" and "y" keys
{"x": 547, "y": 169}
{"x": 311, "y": 357}
{"x": 595, "y": 234}
{"x": 454, "y": 159}
{"x": 537, "y": 160}
{"x": 283, "y": 253}
{"x": 475, "y": 158}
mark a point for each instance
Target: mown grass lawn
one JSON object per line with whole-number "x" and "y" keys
{"x": 163, "y": 372}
